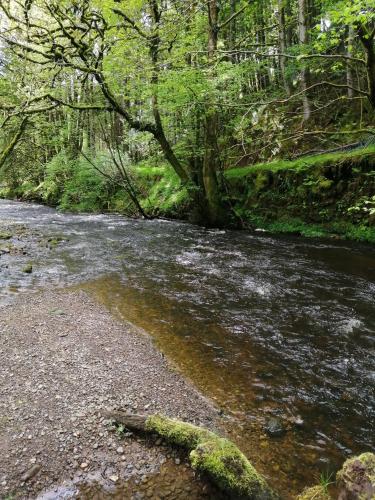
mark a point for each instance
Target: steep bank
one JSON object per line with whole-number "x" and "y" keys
{"x": 325, "y": 195}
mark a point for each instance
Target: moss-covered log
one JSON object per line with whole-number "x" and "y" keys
{"x": 210, "y": 454}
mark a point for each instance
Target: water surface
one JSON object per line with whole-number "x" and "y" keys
{"x": 264, "y": 325}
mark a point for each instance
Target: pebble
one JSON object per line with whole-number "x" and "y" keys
{"x": 31, "y": 473}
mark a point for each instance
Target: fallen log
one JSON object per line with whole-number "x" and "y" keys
{"x": 217, "y": 457}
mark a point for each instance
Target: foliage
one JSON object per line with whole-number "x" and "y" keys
{"x": 183, "y": 90}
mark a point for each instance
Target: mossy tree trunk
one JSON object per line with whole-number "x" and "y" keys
{"x": 210, "y": 454}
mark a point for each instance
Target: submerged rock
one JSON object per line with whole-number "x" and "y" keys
{"x": 356, "y": 479}
{"x": 274, "y": 427}
{"x": 28, "y": 269}
{"x": 5, "y": 235}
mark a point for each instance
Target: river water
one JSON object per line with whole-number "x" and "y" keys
{"x": 264, "y": 325}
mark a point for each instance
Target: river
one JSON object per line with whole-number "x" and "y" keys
{"x": 264, "y": 325}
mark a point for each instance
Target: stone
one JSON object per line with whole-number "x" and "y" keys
{"x": 274, "y": 427}
{"x": 28, "y": 269}
{"x": 356, "y": 479}
{"x": 29, "y": 474}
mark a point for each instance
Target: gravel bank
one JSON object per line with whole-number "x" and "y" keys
{"x": 63, "y": 360}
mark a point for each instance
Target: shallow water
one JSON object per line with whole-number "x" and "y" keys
{"x": 265, "y": 325}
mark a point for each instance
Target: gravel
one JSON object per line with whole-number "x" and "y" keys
{"x": 64, "y": 359}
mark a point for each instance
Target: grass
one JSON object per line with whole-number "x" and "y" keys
{"x": 326, "y": 479}
{"x": 301, "y": 163}
{"x": 339, "y": 230}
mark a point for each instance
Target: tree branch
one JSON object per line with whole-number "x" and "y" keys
{"x": 232, "y": 17}
{"x": 9, "y": 149}
{"x": 130, "y": 21}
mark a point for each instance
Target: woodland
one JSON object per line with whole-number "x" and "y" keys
{"x": 226, "y": 112}
{"x": 229, "y": 114}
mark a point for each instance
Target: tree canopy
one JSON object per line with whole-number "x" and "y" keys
{"x": 207, "y": 84}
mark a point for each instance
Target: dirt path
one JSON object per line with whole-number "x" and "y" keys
{"x": 64, "y": 359}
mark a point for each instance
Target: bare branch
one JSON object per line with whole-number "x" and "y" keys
{"x": 232, "y": 17}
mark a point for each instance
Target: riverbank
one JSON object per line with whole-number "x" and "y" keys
{"x": 323, "y": 196}
{"x": 64, "y": 361}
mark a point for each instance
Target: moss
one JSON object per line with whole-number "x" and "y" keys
{"x": 217, "y": 457}
{"x": 261, "y": 181}
{"x": 321, "y": 196}
{"x": 303, "y": 163}
{"x": 180, "y": 433}
{"x": 5, "y": 236}
{"x": 357, "y": 476}
{"x": 53, "y": 242}
{"x": 229, "y": 468}
{"x": 28, "y": 269}
{"x": 314, "y": 493}
{"x": 322, "y": 184}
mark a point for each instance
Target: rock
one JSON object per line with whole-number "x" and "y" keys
{"x": 274, "y": 427}
{"x": 297, "y": 421}
{"x": 29, "y": 474}
{"x": 5, "y": 236}
{"x": 84, "y": 465}
{"x": 356, "y": 479}
{"x": 28, "y": 269}
{"x": 114, "y": 478}
{"x": 120, "y": 450}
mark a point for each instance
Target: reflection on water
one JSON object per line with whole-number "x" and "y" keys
{"x": 265, "y": 325}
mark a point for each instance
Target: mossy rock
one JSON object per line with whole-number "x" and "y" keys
{"x": 28, "y": 269}
{"x": 357, "y": 478}
{"x": 5, "y": 235}
{"x": 315, "y": 493}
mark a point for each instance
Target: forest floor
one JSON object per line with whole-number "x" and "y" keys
{"x": 64, "y": 359}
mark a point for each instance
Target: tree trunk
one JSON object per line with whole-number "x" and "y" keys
{"x": 367, "y": 40}
{"x": 303, "y": 40}
{"x": 211, "y": 161}
{"x": 233, "y": 30}
{"x": 349, "y": 69}
{"x": 158, "y": 129}
{"x": 283, "y": 46}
